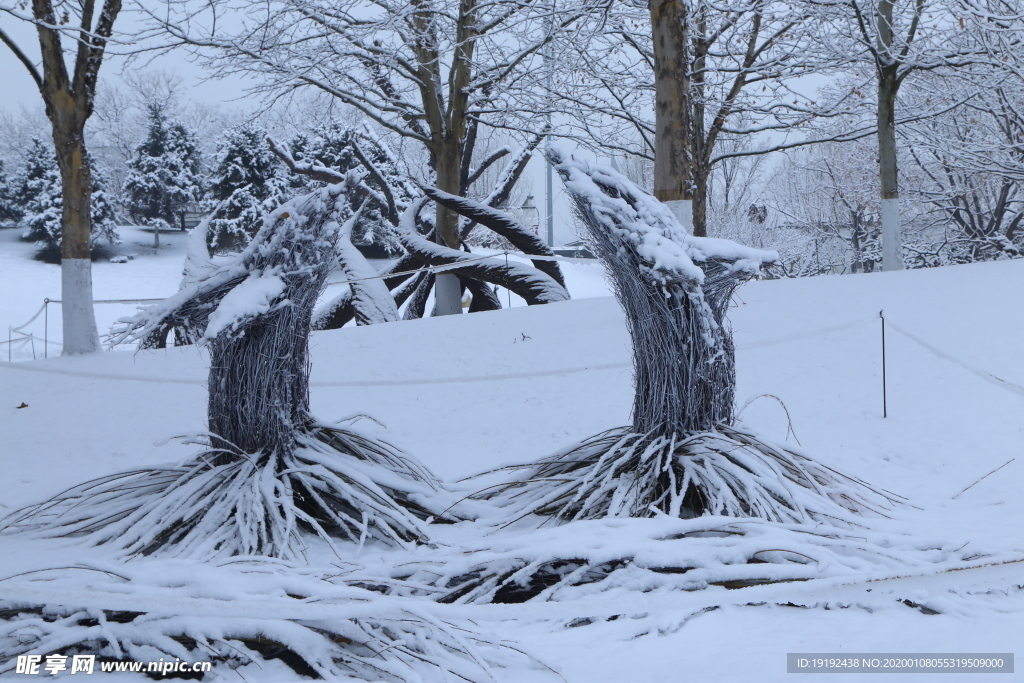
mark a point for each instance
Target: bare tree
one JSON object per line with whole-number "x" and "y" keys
{"x": 670, "y": 80}
{"x": 970, "y": 160}
{"x": 69, "y": 99}
{"x": 896, "y": 38}
{"x": 427, "y": 72}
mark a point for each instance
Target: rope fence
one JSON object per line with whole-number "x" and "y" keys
{"x": 27, "y": 338}
{"x": 988, "y": 377}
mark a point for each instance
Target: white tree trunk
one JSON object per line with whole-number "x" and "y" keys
{"x": 682, "y": 209}
{"x": 892, "y": 247}
{"x": 79, "y": 319}
{"x": 447, "y": 295}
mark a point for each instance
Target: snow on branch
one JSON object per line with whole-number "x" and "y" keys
{"x": 314, "y": 169}
{"x": 371, "y": 301}
{"x": 243, "y": 612}
{"x": 589, "y": 562}
{"x": 510, "y": 175}
{"x": 534, "y": 286}
{"x": 503, "y": 224}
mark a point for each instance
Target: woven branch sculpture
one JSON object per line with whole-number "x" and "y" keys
{"x": 270, "y": 471}
{"x": 532, "y": 284}
{"x": 682, "y": 456}
{"x": 365, "y": 301}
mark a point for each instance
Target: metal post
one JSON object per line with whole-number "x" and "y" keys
{"x": 549, "y": 199}
{"x": 550, "y": 204}
{"x": 885, "y": 407}
{"x": 46, "y": 328}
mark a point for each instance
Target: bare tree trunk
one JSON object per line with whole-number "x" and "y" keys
{"x": 699, "y": 140}
{"x": 673, "y": 182}
{"x": 78, "y": 316}
{"x": 700, "y": 200}
{"x": 447, "y": 291}
{"x": 857, "y": 265}
{"x": 888, "y": 174}
{"x": 888, "y": 84}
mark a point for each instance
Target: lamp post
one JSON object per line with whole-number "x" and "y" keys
{"x": 531, "y": 215}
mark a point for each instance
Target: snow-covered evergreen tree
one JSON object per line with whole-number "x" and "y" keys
{"x": 248, "y": 182}
{"x": 335, "y": 146}
{"x": 36, "y": 194}
{"x": 165, "y": 173}
{"x": 8, "y": 211}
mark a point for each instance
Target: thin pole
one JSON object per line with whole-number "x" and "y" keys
{"x": 548, "y": 198}
{"x": 885, "y": 408}
{"x": 46, "y": 328}
{"x": 507, "y": 290}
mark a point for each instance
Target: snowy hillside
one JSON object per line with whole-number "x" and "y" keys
{"x": 476, "y": 392}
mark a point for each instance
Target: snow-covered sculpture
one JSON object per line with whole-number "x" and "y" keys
{"x": 270, "y": 469}
{"x": 532, "y": 284}
{"x": 409, "y": 281}
{"x": 683, "y": 455}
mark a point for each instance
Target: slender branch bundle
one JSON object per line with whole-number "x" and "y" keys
{"x": 270, "y": 471}
{"x": 320, "y": 627}
{"x": 682, "y": 456}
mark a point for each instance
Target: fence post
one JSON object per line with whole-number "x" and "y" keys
{"x": 885, "y": 408}
{"x": 46, "y": 328}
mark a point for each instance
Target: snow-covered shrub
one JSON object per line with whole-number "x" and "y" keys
{"x": 164, "y": 175}
{"x": 9, "y": 213}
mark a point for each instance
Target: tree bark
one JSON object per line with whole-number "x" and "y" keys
{"x": 888, "y": 173}
{"x": 447, "y": 291}
{"x": 673, "y": 162}
{"x": 78, "y": 317}
{"x": 888, "y": 84}
{"x": 700, "y": 200}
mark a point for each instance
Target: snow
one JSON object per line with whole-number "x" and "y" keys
{"x": 257, "y": 294}
{"x": 469, "y": 393}
{"x": 652, "y": 227}
{"x": 371, "y": 298}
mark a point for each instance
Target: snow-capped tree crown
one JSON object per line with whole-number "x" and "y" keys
{"x": 165, "y": 172}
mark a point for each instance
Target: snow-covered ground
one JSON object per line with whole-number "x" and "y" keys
{"x": 472, "y": 393}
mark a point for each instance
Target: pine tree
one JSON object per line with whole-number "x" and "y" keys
{"x": 249, "y": 181}
{"x": 333, "y": 145}
{"x": 165, "y": 173}
{"x": 36, "y": 194}
{"x": 8, "y": 211}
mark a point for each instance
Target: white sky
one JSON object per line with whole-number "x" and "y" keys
{"x": 17, "y": 87}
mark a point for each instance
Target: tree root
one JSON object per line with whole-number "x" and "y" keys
{"x": 336, "y": 484}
